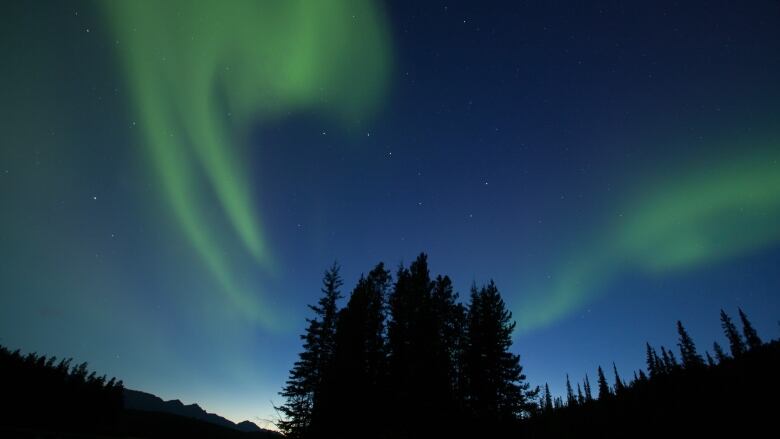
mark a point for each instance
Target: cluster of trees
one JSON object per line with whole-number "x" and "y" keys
{"x": 660, "y": 365}
{"x": 404, "y": 358}
{"x": 698, "y": 395}
{"x": 41, "y": 393}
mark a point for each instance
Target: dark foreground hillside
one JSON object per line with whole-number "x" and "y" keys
{"x": 736, "y": 398}
{"x": 41, "y": 397}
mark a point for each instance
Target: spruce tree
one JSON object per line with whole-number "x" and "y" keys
{"x": 735, "y": 340}
{"x": 652, "y": 361}
{"x": 305, "y": 383}
{"x": 571, "y": 400}
{"x": 690, "y": 358}
{"x": 588, "y": 391}
{"x": 710, "y": 361}
{"x": 666, "y": 360}
{"x": 497, "y": 386}
{"x": 580, "y": 398}
{"x": 751, "y": 336}
{"x": 357, "y": 379}
{"x": 719, "y": 354}
{"x": 604, "y": 392}
{"x": 673, "y": 361}
{"x": 547, "y": 402}
{"x": 410, "y": 337}
{"x": 619, "y": 385}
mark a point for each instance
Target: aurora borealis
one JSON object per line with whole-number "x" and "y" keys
{"x": 175, "y": 176}
{"x": 194, "y": 69}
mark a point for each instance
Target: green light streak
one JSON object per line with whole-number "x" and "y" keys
{"x": 201, "y": 72}
{"x": 706, "y": 216}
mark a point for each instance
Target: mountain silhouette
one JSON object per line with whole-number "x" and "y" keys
{"x": 143, "y": 401}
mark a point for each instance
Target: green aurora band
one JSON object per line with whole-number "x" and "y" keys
{"x": 202, "y": 72}
{"x": 697, "y": 218}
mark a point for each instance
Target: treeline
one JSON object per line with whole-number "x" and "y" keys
{"x": 714, "y": 395}
{"x": 404, "y": 358}
{"x": 43, "y": 394}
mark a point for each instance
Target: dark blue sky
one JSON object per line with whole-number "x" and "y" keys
{"x": 613, "y": 167}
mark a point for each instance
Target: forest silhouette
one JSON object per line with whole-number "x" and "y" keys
{"x": 405, "y": 358}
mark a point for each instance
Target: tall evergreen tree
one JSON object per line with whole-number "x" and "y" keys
{"x": 690, "y": 358}
{"x": 547, "y": 402}
{"x": 497, "y": 386}
{"x": 588, "y": 391}
{"x": 580, "y": 397}
{"x": 735, "y": 340}
{"x": 673, "y": 361}
{"x": 666, "y": 360}
{"x": 719, "y": 354}
{"x": 710, "y": 361}
{"x": 751, "y": 336}
{"x": 410, "y": 338}
{"x": 571, "y": 400}
{"x": 304, "y": 385}
{"x": 604, "y": 392}
{"x": 652, "y": 361}
{"x": 619, "y": 385}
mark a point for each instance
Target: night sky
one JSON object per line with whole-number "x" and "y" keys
{"x": 176, "y": 176}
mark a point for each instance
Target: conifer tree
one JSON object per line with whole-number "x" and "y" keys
{"x": 410, "y": 336}
{"x": 619, "y": 385}
{"x": 666, "y": 360}
{"x": 304, "y": 385}
{"x": 547, "y": 402}
{"x": 652, "y": 361}
{"x": 357, "y": 377}
{"x": 571, "y": 400}
{"x": 588, "y": 391}
{"x": 604, "y": 392}
{"x": 580, "y": 398}
{"x": 497, "y": 386}
{"x": 719, "y": 354}
{"x": 751, "y": 336}
{"x": 642, "y": 376}
{"x": 673, "y": 360}
{"x": 690, "y": 358}
{"x": 710, "y": 361}
{"x": 735, "y": 340}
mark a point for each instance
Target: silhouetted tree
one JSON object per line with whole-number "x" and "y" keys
{"x": 580, "y": 397}
{"x": 304, "y": 384}
{"x": 588, "y": 391}
{"x": 719, "y": 354}
{"x": 497, "y": 386}
{"x": 690, "y": 358}
{"x": 666, "y": 360}
{"x": 735, "y": 340}
{"x": 751, "y": 336}
{"x": 619, "y": 385}
{"x": 410, "y": 337}
{"x": 356, "y": 381}
{"x": 571, "y": 400}
{"x": 547, "y": 401}
{"x": 604, "y": 391}
{"x": 710, "y": 361}
{"x": 674, "y": 365}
